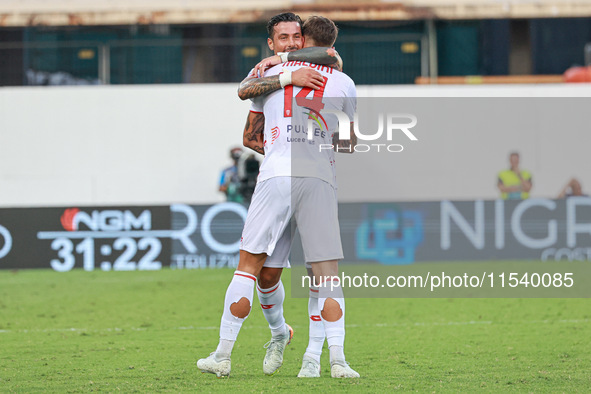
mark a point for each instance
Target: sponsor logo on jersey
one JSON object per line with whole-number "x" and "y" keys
{"x": 317, "y": 117}
{"x": 275, "y": 132}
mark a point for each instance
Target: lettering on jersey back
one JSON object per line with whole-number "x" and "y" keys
{"x": 319, "y": 67}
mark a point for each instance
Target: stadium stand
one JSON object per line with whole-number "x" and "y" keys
{"x": 84, "y": 12}
{"x": 381, "y": 42}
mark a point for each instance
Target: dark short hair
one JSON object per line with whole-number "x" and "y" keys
{"x": 285, "y": 17}
{"x": 320, "y": 29}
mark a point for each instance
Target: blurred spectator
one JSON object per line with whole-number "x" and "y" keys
{"x": 514, "y": 183}
{"x": 229, "y": 180}
{"x": 572, "y": 188}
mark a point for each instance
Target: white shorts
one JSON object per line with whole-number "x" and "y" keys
{"x": 313, "y": 205}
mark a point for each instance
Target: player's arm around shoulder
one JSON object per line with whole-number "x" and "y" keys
{"x": 316, "y": 55}
{"x": 252, "y": 86}
{"x": 306, "y": 77}
{"x": 255, "y": 85}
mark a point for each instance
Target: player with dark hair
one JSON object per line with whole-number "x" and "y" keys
{"x": 285, "y": 37}
{"x": 277, "y": 19}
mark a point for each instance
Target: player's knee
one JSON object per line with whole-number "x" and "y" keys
{"x": 332, "y": 310}
{"x": 267, "y": 283}
{"x": 268, "y": 278}
{"x": 240, "y": 309}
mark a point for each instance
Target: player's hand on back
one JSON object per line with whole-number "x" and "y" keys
{"x": 264, "y": 64}
{"x": 308, "y": 78}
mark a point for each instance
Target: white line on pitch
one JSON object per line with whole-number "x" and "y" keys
{"x": 380, "y": 325}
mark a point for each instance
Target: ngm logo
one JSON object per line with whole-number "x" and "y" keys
{"x": 107, "y": 220}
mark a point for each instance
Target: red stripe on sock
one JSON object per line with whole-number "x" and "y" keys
{"x": 270, "y": 291}
{"x": 247, "y": 276}
{"x": 315, "y": 291}
{"x": 267, "y": 292}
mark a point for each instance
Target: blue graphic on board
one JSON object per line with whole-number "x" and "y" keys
{"x": 389, "y": 236}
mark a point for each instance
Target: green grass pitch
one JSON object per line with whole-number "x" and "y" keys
{"x": 143, "y": 332}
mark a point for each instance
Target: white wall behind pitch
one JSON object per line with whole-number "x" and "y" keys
{"x": 116, "y": 145}
{"x": 167, "y": 143}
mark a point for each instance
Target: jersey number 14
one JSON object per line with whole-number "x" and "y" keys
{"x": 314, "y": 103}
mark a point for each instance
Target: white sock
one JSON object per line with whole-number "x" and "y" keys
{"x": 316, "y": 332}
{"x": 224, "y": 349}
{"x": 335, "y": 330}
{"x": 272, "y": 303}
{"x": 241, "y": 286}
{"x": 336, "y": 352}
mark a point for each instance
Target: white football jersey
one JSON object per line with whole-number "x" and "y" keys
{"x": 288, "y": 111}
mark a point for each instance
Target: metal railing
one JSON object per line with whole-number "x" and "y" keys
{"x": 368, "y": 59}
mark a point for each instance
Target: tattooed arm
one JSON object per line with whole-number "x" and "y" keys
{"x": 253, "y": 136}
{"x": 252, "y": 86}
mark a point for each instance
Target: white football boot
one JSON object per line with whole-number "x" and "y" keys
{"x": 310, "y": 368}
{"x": 275, "y": 347}
{"x": 220, "y": 368}
{"x": 341, "y": 369}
